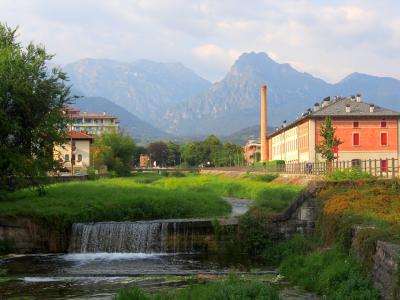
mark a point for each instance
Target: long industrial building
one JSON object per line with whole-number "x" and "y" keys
{"x": 367, "y": 131}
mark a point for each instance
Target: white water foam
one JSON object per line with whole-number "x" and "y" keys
{"x": 78, "y": 278}
{"x": 110, "y": 256}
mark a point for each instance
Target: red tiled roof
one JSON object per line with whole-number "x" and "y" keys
{"x": 78, "y": 135}
{"x": 71, "y": 109}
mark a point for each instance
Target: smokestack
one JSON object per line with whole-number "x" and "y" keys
{"x": 264, "y": 142}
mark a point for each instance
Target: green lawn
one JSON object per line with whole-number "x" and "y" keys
{"x": 142, "y": 197}
{"x": 117, "y": 199}
{"x": 269, "y": 195}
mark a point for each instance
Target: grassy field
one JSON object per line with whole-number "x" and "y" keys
{"x": 232, "y": 289}
{"x": 115, "y": 199}
{"x": 269, "y": 195}
{"x": 142, "y": 197}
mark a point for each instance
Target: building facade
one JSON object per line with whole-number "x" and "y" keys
{"x": 91, "y": 123}
{"x": 367, "y": 132}
{"x": 253, "y": 151}
{"x": 74, "y": 154}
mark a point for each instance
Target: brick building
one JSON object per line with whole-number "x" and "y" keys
{"x": 366, "y": 130}
{"x": 253, "y": 151}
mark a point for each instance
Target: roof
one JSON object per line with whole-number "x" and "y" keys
{"x": 78, "y": 135}
{"x": 336, "y": 107}
{"x": 96, "y": 116}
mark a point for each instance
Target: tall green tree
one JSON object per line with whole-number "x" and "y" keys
{"x": 32, "y": 98}
{"x": 174, "y": 154}
{"x": 116, "y": 151}
{"x": 158, "y": 152}
{"x": 329, "y": 141}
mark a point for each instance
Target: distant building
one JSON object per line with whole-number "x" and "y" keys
{"x": 74, "y": 154}
{"x": 253, "y": 151}
{"x": 91, "y": 123}
{"x": 144, "y": 161}
{"x": 366, "y": 130}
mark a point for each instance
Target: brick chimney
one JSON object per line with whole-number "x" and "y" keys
{"x": 264, "y": 142}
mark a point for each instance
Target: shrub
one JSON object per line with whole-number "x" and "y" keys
{"x": 91, "y": 173}
{"x": 264, "y": 177}
{"x": 354, "y": 173}
{"x": 331, "y": 273}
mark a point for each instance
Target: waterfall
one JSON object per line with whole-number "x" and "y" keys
{"x": 139, "y": 237}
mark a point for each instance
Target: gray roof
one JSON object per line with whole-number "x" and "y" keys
{"x": 337, "y": 107}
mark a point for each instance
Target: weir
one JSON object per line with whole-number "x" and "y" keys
{"x": 160, "y": 236}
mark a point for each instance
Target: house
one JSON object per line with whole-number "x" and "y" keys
{"x": 367, "y": 131}
{"x": 253, "y": 151}
{"x": 74, "y": 154}
{"x": 91, "y": 123}
{"x": 144, "y": 161}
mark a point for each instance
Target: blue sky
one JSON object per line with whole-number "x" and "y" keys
{"x": 328, "y": 39}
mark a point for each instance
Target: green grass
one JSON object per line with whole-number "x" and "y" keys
{"x": 332, "y": 273}
{"x": 144, "y": 196}
{"x": 269, "y": 195}
{"x": 232, "y": 289}
{"x": 117, "y": 199}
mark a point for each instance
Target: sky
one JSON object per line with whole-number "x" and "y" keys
{"x": 329, "y": 39}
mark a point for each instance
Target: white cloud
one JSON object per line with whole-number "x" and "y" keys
{"x": 327, "y": 39}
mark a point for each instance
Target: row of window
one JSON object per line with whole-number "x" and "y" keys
{"x": 66, "y": 157}
{"x": 384, "y": 139}
{"x": 357, "y": 124}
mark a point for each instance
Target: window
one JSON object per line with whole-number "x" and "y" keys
{"x": 384, "y": 139}
{"x": 356, "y": 124}
{"x": 66, "y": 157}
{"x": 79, "y": 157}
{"x": 383, "y": 124}
{"x": 356, "y": 139}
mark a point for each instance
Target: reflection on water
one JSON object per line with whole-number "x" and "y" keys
{"x": 100, "y": 275}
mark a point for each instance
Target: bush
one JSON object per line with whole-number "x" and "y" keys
{"x": 264, "y": 177}
{"x": 232, "y": 289}
{"x": 355, "y": 173}
{"x": 91, "y": 173}
{"x": 331, "y": 273}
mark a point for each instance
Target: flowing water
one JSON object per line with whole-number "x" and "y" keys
{"x": 107, "y": 256}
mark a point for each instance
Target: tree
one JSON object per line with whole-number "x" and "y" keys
{"x": 32, "y": 99}
{"x": 158, "y": 152}
{"x": 329, "y": 141}
{"x": 116, "y": 151}
{"x": 174, "y": 154}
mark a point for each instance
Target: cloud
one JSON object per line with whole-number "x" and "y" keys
{"x": 326, "y": 38}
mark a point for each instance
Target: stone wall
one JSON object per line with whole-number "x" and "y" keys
{"x": 385, "y": 270}
{"x": 301, "y": 216}
{"x": 26, "y": 236}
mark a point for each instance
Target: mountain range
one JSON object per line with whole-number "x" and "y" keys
{"x": 175, "y": 100}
